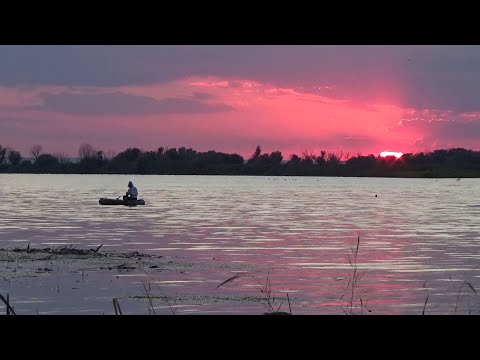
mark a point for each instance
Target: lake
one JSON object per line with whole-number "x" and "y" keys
{"x": 418, "y": 238}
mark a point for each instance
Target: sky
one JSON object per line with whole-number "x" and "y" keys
{"x": 355, "y": 99}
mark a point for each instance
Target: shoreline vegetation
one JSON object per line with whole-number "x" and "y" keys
{"x": 44, "y": 264}
{"x": 451, "y": 163}
{"x": 40, "y": 264}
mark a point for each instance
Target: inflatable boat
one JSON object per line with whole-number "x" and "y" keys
{"x": 105, "y": 201}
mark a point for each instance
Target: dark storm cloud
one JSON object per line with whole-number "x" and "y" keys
{"x": 444, "y": 77}
{"x": 126, "y": 65}
{"x": 123, "y": 104}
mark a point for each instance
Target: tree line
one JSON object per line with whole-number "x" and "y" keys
{"x": 456, "y": 162}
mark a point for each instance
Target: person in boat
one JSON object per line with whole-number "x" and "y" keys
{"x": 132, "y": 194}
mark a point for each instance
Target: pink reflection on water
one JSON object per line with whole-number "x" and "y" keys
{"x": 297, "y": 231}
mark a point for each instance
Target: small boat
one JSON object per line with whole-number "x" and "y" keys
{"x": 106, "y": 201}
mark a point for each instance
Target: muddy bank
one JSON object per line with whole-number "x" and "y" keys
{"x": 63, "y": 280}
{"x": 18, "y": 263}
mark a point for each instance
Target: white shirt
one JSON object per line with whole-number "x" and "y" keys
{"x": 133, "y": 191}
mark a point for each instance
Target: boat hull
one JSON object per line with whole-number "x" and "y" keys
{"x": 105, "y": 201}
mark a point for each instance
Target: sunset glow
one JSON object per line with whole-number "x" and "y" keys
{"x": 391, "y": 153}
{"x": 293, "y": 99}
{"x": 234, "y": 174}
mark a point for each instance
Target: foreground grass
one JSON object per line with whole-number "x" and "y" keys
{"x": 353, "y": 301}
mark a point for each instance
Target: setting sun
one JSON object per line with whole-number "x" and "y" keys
{"x": 391, "y": 153}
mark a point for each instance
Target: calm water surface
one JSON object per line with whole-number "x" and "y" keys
{"x": 419, "y": 237}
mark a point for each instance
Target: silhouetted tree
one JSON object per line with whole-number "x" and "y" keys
{"x": 258, "y": 151}
{"x": 47, "y": 163}
{"x": 294, "y": 158}
{"x": 62, "y": 158}
{"x": 333, "y": 159}
{"x": 131, "y": 154}
{"x": 362, "y": 162}
{"x": 26, "y": 164}
{"x": 172, "y": 154}
{"x": 86, "y": 151}
{"x": 408, "y": 158}
{"x": 308, "y": 158}
{"x": 93, "y": 161}
{"x": 451, "y": 162}
{"x": 35, "y": 151}
{"x": 14, "y": 157}
{"x": 124, "y": 162}
{"x": 320, "y": 160}
{"x": 256, "y": 154}
{"x": 3, "y": 155}
{"x": 276, "y": 158}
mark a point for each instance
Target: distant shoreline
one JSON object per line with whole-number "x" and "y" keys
{"x": 451, "y": 163}
{"x": 458, "y": 175}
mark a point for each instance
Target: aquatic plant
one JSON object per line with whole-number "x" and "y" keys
{"x": 6, "y": 301}
{"x": 350, "y": 290}
{"x": 272, "y": 303}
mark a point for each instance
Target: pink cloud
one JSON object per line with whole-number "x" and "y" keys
{"x": 278, "y": 118}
